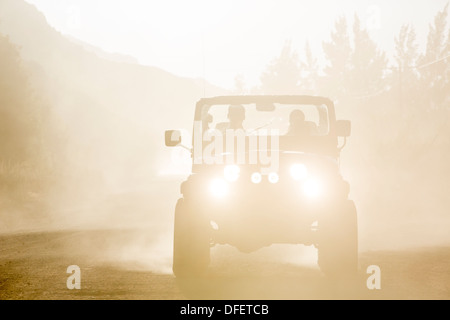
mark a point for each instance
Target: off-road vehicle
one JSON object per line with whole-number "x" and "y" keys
{"x": 265, "y": 170}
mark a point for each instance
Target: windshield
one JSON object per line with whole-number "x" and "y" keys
{"x": 282, "y": 119}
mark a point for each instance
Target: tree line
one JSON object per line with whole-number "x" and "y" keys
{"x": 357, "y": 69}
{"x": 28, "y": 152}
{"x": 399, "y": 107}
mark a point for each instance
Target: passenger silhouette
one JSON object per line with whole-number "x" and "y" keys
{"x": 297, "y": 124}
{"x": 236, "y": 117}
{"x": 206, "y": 122}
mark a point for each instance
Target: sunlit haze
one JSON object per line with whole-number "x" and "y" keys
{"x": 235, "y": 150}
{"x": 218, "y": 40}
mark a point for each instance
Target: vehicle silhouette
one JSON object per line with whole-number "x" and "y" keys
{"x": 265, "y": 183}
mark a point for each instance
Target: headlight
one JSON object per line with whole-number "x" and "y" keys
{"x": 299, "y": 172}
{"x": 219, "y": 188}
{"x": 274, "y": 178}
{"x": 312, "y": 188}
{"x": 232, "y": 173}
{"x": 256, "y": 178}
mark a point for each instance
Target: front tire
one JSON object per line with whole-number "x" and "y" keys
{"x": 338, "y": 242}
{"x": 191, "y": 246}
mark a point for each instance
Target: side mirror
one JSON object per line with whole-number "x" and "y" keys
{"x": 173, "y": 138}
{"x": 343, "y": 128}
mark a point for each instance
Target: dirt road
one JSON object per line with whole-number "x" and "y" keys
{"x": 135, "y": 264}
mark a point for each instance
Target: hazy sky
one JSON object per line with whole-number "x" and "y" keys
{"x": 220, "y": 39}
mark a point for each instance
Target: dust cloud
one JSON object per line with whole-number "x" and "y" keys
{"x": 142, "y": 253}
{"x": 82, "y": 138}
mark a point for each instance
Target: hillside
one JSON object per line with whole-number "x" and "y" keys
{"x": 114, "y": 113}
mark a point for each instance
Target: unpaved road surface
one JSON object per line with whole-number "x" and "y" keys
{"x": 135, "y": 264}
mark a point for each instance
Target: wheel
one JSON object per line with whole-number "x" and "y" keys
{"x": 338, "y": 241}
{"x": 191, "y": 245}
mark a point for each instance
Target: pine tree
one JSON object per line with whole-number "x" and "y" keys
{"x": 16, "y": 114}
{"x": 338, "y": 53}
{"x": 405, "y": 75}
{"x": 310, "y": 72}
{"x": 436, "y": 37}
{"x": 282, "y": 76}
{"x": 406, "y": 49}
{"x": 368, "y": 64}
{"x": 239, "y": 85}
{"x": 434, "y": 69}
{"x": 27, "y": 132}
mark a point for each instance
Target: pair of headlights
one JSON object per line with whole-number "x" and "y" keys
{"x": 310, "y": 186}
{"x": 232, "y": 173}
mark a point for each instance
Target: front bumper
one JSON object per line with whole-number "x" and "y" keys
{"x": 252, "y": 216}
